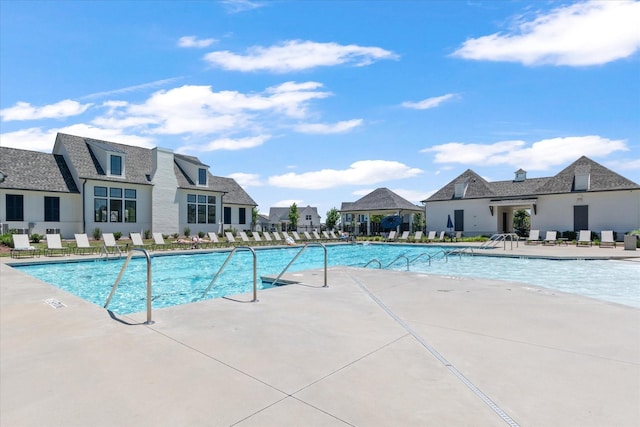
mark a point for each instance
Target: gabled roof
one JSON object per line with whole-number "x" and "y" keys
{"x": 600, "y": 179}
{"x": 381, "y": 199}
{"x": 32, "y": 170}
{"x": 278, "y": 214}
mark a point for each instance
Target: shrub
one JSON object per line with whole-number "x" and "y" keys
{"x": 117, "y": 235}
{"x": 97, "y": 233}
{"x": 187, "y": 232}
{"x": 35, "y": 237}
{"x": 147, "y": 234}
{"x": 175, "y": 235}
{"x": 6, "y": 240}
{"x": 201, "y": 234}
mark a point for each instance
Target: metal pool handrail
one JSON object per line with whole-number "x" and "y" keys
{"x": 372, "y": 261}
{"x": 306, "y": 245}
{"x": 420, "y": 256}
{"x": 255, "y": 275}
{"x": 124, "y": 266}
{"x": 397, "y": 258}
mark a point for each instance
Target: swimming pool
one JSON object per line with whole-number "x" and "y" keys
{"x": 182, "y": 278}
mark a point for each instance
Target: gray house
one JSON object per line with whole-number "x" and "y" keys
{"x": 308, "y": 218}
{"x": 87, "y": 184}
{"x": 583, "y": 196}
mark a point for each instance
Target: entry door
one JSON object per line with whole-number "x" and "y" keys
{"x": 580, "y": 217}
{"x": 458, "y": 220}
{"x": 505, "y": 224}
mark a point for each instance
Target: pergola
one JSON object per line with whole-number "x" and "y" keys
{"x": 381, "y": 201}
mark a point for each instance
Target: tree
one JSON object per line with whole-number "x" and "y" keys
{"x": 254, "y": 218}
{"x": 332, "y": 218}
{"x": 294, "y": 216}
{"x": 418, "y": 222}
{"x": 521, "y": 222}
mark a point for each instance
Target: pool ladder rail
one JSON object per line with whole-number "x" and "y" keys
{"x": 495, "y": 240}
{"x": 445, "y": 256}
{"x": 124, "y": 267}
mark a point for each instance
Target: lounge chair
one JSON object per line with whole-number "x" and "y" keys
{"x": 276, "y": 236}
{"x": 159, "y": 243}
{"x": 256, "y": 238}
{"x": 22, "y": 246}
{"x": 333, "y": 235}
{"x": 288, "y": 238}
{"x": 441, "y": 237}
{"x": 606, "y": 239}
{"x": 296, "y": 236}
{"x": 109, "y": 244}
{"x": 584, "y": 238}
{"x": 137, "y": 242}
{"x": 54, "y": 246}
{"x": 405, "y": 236}
{"x": 431, "y": 236}
{"x": 458, "y": 235}
{"x": 534, "y": 237}
{"x": 213, "y": 238}
{"x": 230, "y": 239}
{"x": 267, "y": 236}
{"x": 307, "y": 235}
{"x": 316, "y": 235}
{"x": 392, "y": 236}
{"x": 417, "y": 236}
{"x": 83, "y": 246}
{"x": 244, "y": 237}
{"x": 551, "y": 238}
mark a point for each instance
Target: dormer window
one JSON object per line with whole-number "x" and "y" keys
{"x": 521, "y": 175}
{"x": 581, "y": 182}
{"x": 202, "y": 176}
{"x": 460, "y": 190}
{"x": 115, "y": 165}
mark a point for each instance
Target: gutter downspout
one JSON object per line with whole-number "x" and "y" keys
{"x": 84, "y": 204}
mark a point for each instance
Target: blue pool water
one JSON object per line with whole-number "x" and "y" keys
{"x": 179, "y": 279}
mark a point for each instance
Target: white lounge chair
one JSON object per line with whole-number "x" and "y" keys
{"x": 392, "y": 236}
{"x": 109, "y": 244}
{"x": 230, "y": 238}
{"x": 296, "y": 236}
{"x": 213, "y": 238}
{"x": 550, "y": 238}
{"x": 534, "y": 237}
{"x": 431, "y": 236}
{"x": 22, "y": 246}
{"x": 584, "y": 238}
{"x": 244, "y": 236}
{"x": 316, "y": 235}
{"x": 441, "y": 238}
{"x": 82, "y": 245}
{"x": 267, "y": 236}
{"x": 307, "y": 235}
{"x": 137, "y": 242}
{"x": 159, "y": 243}
{"x": 257, "y": 238}
{"x": 276, "y": 236}
{"x": 404, "y": 236}
{"x": 333, "y": 235}
{"x": 54, "y": 246}
{"x": 606, "y": 239}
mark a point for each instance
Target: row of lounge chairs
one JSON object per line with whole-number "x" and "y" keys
{"x": 584, "y": 238}
{"x": 432, "y": 236}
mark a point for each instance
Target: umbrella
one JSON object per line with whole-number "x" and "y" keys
{"x": 391, "y": 221}
{"x": 449, "y": 224}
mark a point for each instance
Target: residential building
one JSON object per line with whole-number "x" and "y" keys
{"x": 88, "y": 184}
{"x": 308, "y": 219}
{"x": 583, "y": 196}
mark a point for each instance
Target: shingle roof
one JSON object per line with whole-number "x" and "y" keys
{"x": 138, "y": 166}
{"x": 32, "y": 170}
{"x": 277, "y": 214}
{"x": 601, "y": 179}
{"x": 380, "y": 199}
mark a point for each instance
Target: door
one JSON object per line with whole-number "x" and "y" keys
{"x": 505, "y": 224}
{"x": 580, "y": 217}
{"x": 458, "y": 220}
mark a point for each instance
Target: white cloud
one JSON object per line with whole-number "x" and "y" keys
{"x": 247, "y": 179}
{"x": 192, "y": 41}
{"x": 425, "y": 104}
{"x": 297, "y": 55}
{"x": 359, "y": 173}
{"x": 585, "y": 33}
{"x": 25, "y": 111}
{"x": 323, "y": 128}
{"x": 228, "y": 144}
{"x": 541, "y": 155}
{"x": 36, "y": 139}
{"x": 237, "y": 6}
{"x": 135, "y": 88}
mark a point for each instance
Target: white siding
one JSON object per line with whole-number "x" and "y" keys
{"x": 165, "y": 203}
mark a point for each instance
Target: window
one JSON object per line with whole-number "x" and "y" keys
{"x": 115, "y": 208}
{"x": 202, "y": 176}
{"x": 201, "y": 209}
{"x": 52, "y": 209}
{"x": 15, "y": 207}
{"x": 116, "y": 165}
{"x": 307, "y": 218}
{"x": 460, "y": 190}
{"x": 242, "y": 213}
{"x": 227, "y": 215}
{"x": 581, "y": 182}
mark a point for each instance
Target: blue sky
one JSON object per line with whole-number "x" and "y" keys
{"x": 320, "y": 102}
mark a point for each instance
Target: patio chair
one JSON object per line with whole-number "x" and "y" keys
{"x": 441, "y": 237}
{"x": 256, "y": 238}
{"x": 417, "y": 236}
{"x": 22, "y": 246}
{"x": 606, "y": 239}
{"x": 137, "y": 242}
{"x": 392, "y": 236}
{"x": 267, "y": 236}
{"x": 276, "y": 236}
{"x": 584, "y": 238}
{"x": 404, "y": 236}
{"x": 534, "y": 237}
{"x": 230, "y": 238}
{"x": 551, "y": 238}
{"x": 54, "y": 246}
{"x": 431, "y": 236}
{"x": 109, "y": 244}
{"x": 83, "y": 246}
{"x": 244, "y": 237}
{"x": 159, "y": 243}
{"x": 307, "y": 235}
{"x": 316, "y": 235}
{"x": 333, "y": 235}
{"x": 213, "y": 238}
{"x": 458, "y": 235}
{"x": 296, "y": 236}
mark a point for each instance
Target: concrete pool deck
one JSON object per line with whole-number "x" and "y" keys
{"x": 375, "y": 348}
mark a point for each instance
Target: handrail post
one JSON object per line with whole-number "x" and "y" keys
{"x": 296, "y": 257}
{"x": 224, "y": 264}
